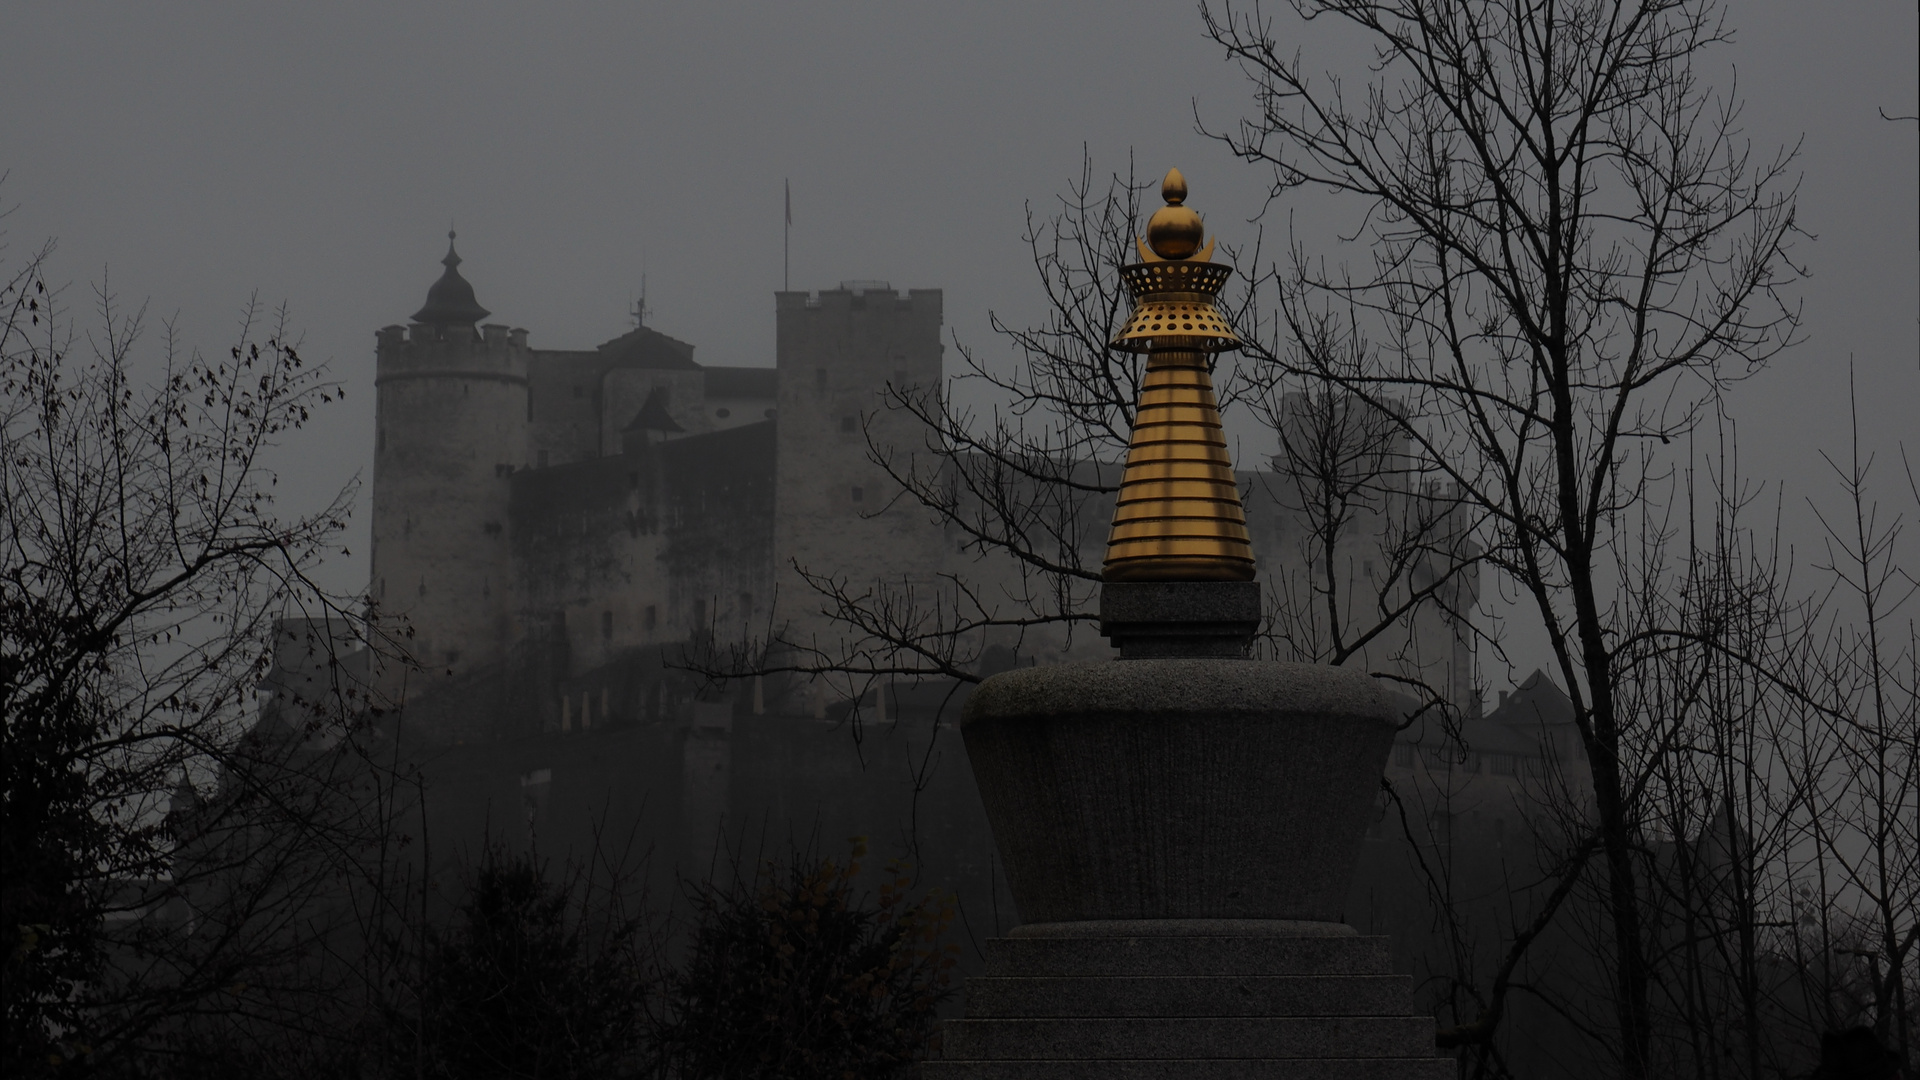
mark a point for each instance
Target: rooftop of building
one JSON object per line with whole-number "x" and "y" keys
{"x": 450, "y": 300}
{"x": 1518, "y": 725}
{"x": 1537, "y": 701}
{"x": 645, "y": 347}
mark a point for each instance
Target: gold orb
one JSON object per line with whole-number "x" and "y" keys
{"x": 1174, "y": 231}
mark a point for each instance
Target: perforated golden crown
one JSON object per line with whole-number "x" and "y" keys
{"x": 1178, "y": 515}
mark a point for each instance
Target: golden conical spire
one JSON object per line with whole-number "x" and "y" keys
{"x": 1178, "y": 516}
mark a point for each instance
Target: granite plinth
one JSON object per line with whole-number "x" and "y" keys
{"x": 1194, "y": 1069}
{"x": 1186, "y": 955}
{"x": 991, "y": 998}
{"x": 1158, "y": 619}
{"x": 1179, "y": 788}
{"x": 1179, "y": 1001}
{"x": 1179, "y": 833}
{"x": 1191, "y": 1037}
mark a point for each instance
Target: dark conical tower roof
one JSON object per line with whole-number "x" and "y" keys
{"x": 653, "y": 415}
{"x": 450, "y": 302}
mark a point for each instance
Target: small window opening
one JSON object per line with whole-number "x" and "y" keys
{"x": 859, "y": 494}
{"x": 820, "y": 378}
{"x": 606, "y": 625}
{"x": 652, "y": 616}
{"x": 577, "y": 392}
{"x": 848, "y": 424}
{"x": 723, "y": 413}
{"x": 746, "y": 604}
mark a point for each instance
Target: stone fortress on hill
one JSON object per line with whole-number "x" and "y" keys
{"x": 551, "y": 523}
{"x": 554, "y": 527}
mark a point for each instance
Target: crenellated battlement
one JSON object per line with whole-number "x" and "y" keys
{"x": 424, "y": 350}
{"x": 861, "y": 296}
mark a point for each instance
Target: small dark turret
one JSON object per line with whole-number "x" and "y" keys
{"x": 653, "y": 415}
{"x": 450, "y": 302}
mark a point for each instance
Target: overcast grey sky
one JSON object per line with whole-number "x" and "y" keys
{"x": 316, "y": 152}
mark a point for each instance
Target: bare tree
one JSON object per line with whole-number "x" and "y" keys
{"x": 1854, "y": 747}
{"x": 1572, "y": 255}
{"x": 162, "y": 850}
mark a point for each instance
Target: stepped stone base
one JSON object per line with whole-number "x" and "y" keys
{"x": 1200, "y": 999}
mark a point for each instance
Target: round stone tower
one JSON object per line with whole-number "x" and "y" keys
{"x": 451, "y": 422}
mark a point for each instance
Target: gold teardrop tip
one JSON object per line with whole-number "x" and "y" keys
{"x": 1174, "y": 188}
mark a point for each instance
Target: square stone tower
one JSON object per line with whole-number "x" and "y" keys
{"x": 836, "y": 512}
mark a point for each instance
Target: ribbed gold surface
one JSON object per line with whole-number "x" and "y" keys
{"x": 1178, "y": 517}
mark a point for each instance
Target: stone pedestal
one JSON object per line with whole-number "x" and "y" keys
{"x": 1179, "y": 834}
{"x": 1188, "y": 1000}
{"x": 1179, "y": 788}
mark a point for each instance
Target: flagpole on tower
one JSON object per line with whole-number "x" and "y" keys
{"x": 786, "y": 244}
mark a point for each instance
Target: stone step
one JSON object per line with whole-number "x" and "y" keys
{"x": 1196, "y": 1069}
{"x": 1125, "y": 956}
{"x": 1188, "y": 995}
{"x": 1184, "y": 1037}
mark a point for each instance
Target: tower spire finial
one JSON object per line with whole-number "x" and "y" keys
{"x": 450, "y": 301}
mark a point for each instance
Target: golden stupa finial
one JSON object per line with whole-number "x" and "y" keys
{"x": 1178, "y": 515}
{"x": 1173, "y": 187}
{"x": 1174, "y": 231}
